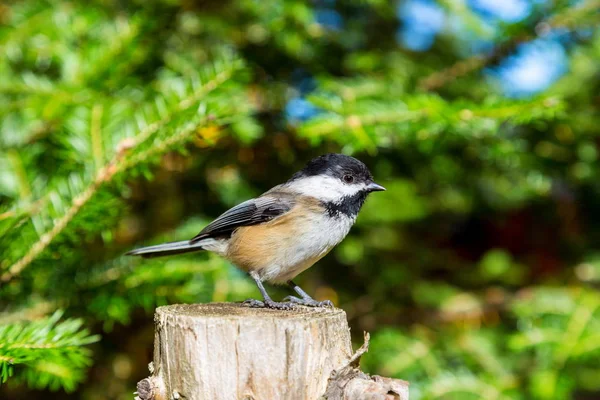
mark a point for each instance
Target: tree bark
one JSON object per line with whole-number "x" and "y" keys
{"x": 228, "y": 351}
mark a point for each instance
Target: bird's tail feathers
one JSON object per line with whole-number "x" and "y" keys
{"x": 167, "y": 249}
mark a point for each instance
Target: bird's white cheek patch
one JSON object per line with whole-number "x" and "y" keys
{"x": 325, "y": 188}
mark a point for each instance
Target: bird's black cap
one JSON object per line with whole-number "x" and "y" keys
{"x": 335, "y": 165}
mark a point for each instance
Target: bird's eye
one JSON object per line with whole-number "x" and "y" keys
{"x": 348, "y": 178}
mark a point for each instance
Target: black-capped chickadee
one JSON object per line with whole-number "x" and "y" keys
{"x": 286, "y": 230}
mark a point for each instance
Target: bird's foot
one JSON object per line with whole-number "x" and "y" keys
{"x": 253, "y": 303}
{"x": 269, "y": 304}
{"x": 309, "y": 302}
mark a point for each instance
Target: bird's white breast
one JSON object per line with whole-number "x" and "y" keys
{"x": 315, "y": 234}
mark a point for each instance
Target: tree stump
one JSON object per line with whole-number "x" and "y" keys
{"x": 228, "y": 351}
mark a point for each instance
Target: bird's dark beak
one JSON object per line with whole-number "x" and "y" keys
{"x": 373, "y": 187}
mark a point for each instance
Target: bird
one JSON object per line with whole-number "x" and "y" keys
{"x": 281, "y": 233}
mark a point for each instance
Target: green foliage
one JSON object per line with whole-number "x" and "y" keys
{"x": 123, "y": 122}
{"x": 113, "y": 290}
{"x": 48, "y": 352}
{"x": 549, "y": 348}
{"x": 77, "y": 124}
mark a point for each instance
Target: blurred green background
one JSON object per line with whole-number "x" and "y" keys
{"x": 131, "y": 122}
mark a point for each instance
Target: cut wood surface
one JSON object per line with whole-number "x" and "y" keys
{"x": 228, "y": 351}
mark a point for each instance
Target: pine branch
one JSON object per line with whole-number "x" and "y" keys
{"x": 570, "y": 19}
{"x": 50, "y": 351}
{"x": 362, "y": 117}
{"x": 121, "y": 162}
{"x": 578, "y": 323}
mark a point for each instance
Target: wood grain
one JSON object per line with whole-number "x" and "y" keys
{"x": 228, "y": 351}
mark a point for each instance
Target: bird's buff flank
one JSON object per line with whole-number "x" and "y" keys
{"x": 286, "y": 230}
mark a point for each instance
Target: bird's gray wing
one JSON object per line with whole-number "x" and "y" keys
{"x": 251, "y": 212}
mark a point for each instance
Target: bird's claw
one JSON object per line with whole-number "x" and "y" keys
{"x": 309, "y": 302}
{"x": 269, "y": 304}
{"x": 252, "y": 303}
